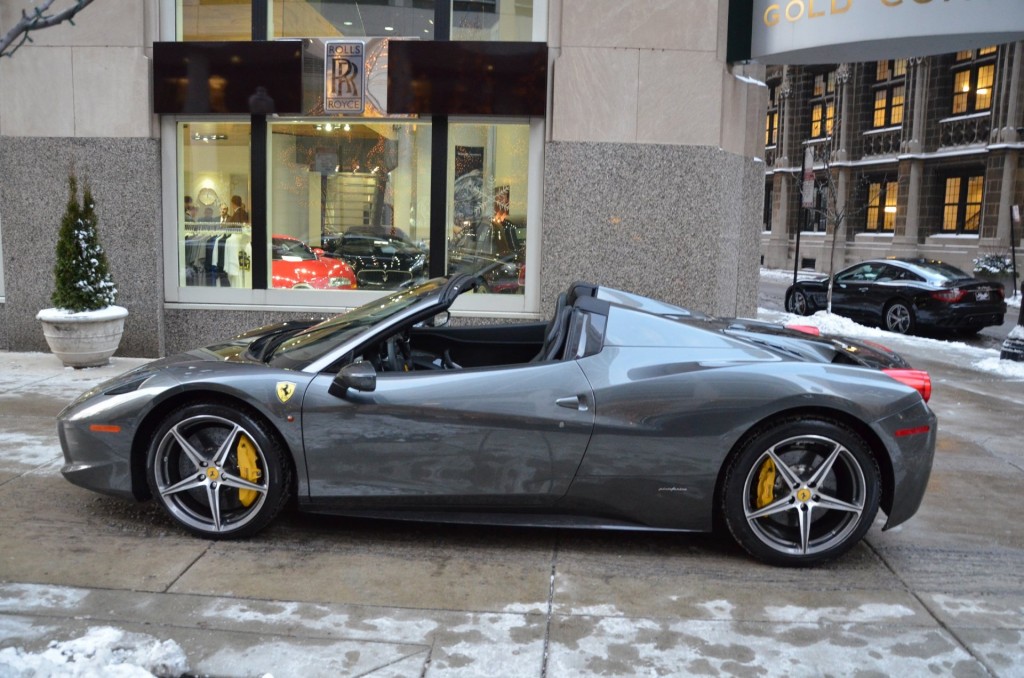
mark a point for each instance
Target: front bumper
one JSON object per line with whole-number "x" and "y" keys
{"x": 910, "y": 437}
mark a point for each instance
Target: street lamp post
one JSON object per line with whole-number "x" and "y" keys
{"x": 1013, "y": 345}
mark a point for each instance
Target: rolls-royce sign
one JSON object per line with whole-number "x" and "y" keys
{"x": 831, "y": 31}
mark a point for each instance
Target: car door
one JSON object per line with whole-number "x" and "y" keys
{"x": 503, "y": 436}
{"x": 855, "y": 290}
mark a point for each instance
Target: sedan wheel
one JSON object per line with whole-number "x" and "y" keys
{"x": 801, "y": 492}
{"x": 797, "y": 303}
{"x": 899, "y": 318}
{"x": 217, "y": 471}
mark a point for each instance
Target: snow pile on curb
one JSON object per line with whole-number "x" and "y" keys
{"x": 102, "y": 651}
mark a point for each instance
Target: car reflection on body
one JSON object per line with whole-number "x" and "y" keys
{"x": 294, "y": 265}
{"x": 494, "y": 251}
{"x": 904, "y": 295}
{"x": 382, "y": 258}
{"x": 621, "y": 412}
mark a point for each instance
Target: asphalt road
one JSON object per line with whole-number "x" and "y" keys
{"x": 311, "y": 596}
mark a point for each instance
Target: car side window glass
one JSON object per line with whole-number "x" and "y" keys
{"x": 856, "y": 274}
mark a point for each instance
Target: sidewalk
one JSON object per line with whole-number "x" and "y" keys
{"x": 106, "y": 580}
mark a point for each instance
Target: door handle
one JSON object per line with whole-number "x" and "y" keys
{"x": 576, "y": 402}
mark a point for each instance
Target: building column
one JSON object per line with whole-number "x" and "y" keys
{"x": 905, "y": 240}
{"x": 777, "y": 255}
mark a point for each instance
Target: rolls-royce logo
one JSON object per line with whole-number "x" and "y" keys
{"x": 344, "y": 76}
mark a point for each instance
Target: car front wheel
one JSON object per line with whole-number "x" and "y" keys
{"x": 217, "y": 471}
{"x": 899, "y": 318}
{"x": 797, "y": 303}
{"x": 801, "y": 492}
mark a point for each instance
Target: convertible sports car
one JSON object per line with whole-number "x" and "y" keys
{"x": 294, "y": 265}
{"x": 903, "y": 295}
{"x": 622, "y": 412}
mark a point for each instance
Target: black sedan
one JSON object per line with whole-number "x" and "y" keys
{"x": 621, "y": 412}
{"x": 382, "y": 258}
{"x": 904, "y": 295}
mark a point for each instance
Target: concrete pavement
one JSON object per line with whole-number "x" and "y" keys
{"x": 315, "y": 596}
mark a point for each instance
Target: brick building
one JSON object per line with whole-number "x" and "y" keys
{"x": 912, "y": 157}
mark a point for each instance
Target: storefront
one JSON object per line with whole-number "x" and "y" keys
{"x": 352, "y": 198}
{"x": 258, "y": 160}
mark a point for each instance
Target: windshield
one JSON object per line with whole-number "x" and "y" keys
{"x": 940, "y": 272}
{"x": 287, "y": 249}
{"x": 328, "y": 335}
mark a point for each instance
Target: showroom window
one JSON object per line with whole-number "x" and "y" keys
{"x": 214, "y": 228}
{"x": 359, "y": 191}
{"x": 488, "y": 194}
{"x": 973, "y": 79}
{"x": 962, "y": 207}
{"x": 881, "y": 207}
{"x": 890, "y": 92}
{"x": 362, "y": 202}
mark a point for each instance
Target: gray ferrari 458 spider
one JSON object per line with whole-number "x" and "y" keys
{"x": 622, "y": 412}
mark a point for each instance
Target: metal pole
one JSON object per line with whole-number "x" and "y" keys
{"x": 1013, "y": 345}
{"x": 806, "y": 201}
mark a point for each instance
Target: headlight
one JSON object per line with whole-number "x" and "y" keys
{"x": 341, "y": 282}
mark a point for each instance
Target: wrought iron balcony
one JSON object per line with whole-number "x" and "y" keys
{"x": 884, "y": 141}
{"x": 965, "y": 130}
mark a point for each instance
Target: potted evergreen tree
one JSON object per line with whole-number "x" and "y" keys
{"x": 84, "y": 327}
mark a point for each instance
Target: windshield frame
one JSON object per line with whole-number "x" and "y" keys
{"x": 317, "y": 347}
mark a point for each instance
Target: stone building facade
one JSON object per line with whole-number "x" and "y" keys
{"x": 912, "y": 157}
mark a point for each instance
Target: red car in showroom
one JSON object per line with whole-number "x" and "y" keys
{"x": 296, "y": 266}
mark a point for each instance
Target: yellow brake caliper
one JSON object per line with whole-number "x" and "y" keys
{"x": 247, "y": 468}
{"x": 766, "y": 484}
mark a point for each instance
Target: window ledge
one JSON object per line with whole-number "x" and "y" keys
{"x": 967, "y": 116}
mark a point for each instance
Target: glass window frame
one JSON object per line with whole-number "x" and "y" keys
{"x": 823, "y": 105}
{"x": 882, "y": 193}
{"x": 963, "y": 208}
{"x": 968, "y": 70}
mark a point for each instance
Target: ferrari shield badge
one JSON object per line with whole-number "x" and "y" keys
{"x": 285, "y": 389}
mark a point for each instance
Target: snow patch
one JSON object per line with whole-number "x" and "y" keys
{"x": 18, "y": 450}
{"x": 102, "y": 651}
{"x": 864, "y": 614}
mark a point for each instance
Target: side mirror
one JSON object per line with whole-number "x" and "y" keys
{"x": 318, "y": 251}
{"x": 440, "y": 320}
{"x": 359, "y": 376}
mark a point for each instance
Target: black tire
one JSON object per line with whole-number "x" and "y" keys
{"x": 800, "y": 492}
{"x": 898, "y": 317}
{"x": 797, "y": 302}
{"x": 207, "y": 456}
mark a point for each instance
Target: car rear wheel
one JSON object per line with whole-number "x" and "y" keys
{"x": 899, "y": 318}
{"x": 801, "y": 492}
{"x": 797, "y": 303}
{"x": 217, "y": 471}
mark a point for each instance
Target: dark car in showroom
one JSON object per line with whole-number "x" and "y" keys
{"x": 495, "y": 252}
{"x": 383, "y": 258}
{"x": 620, "y": 413}
{"x": 904, "y": 296}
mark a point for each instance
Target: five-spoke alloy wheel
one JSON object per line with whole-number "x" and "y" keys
{"x": 797, "y": 303}
{"x": 801, "y": 492}
{"x": 899, "y": 318}
{"x": 217, "y": 471}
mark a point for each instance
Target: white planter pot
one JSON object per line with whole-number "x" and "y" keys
{"x": 86, "y": 339}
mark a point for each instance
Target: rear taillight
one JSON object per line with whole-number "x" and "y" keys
{"x": 949, "y": 296}
{"x": 522, "y": 275}
{"x": 915, "y": 379}
{"x": 806, "y": 329}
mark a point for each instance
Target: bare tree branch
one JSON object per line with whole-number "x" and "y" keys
{"x": 36, "y": 19}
